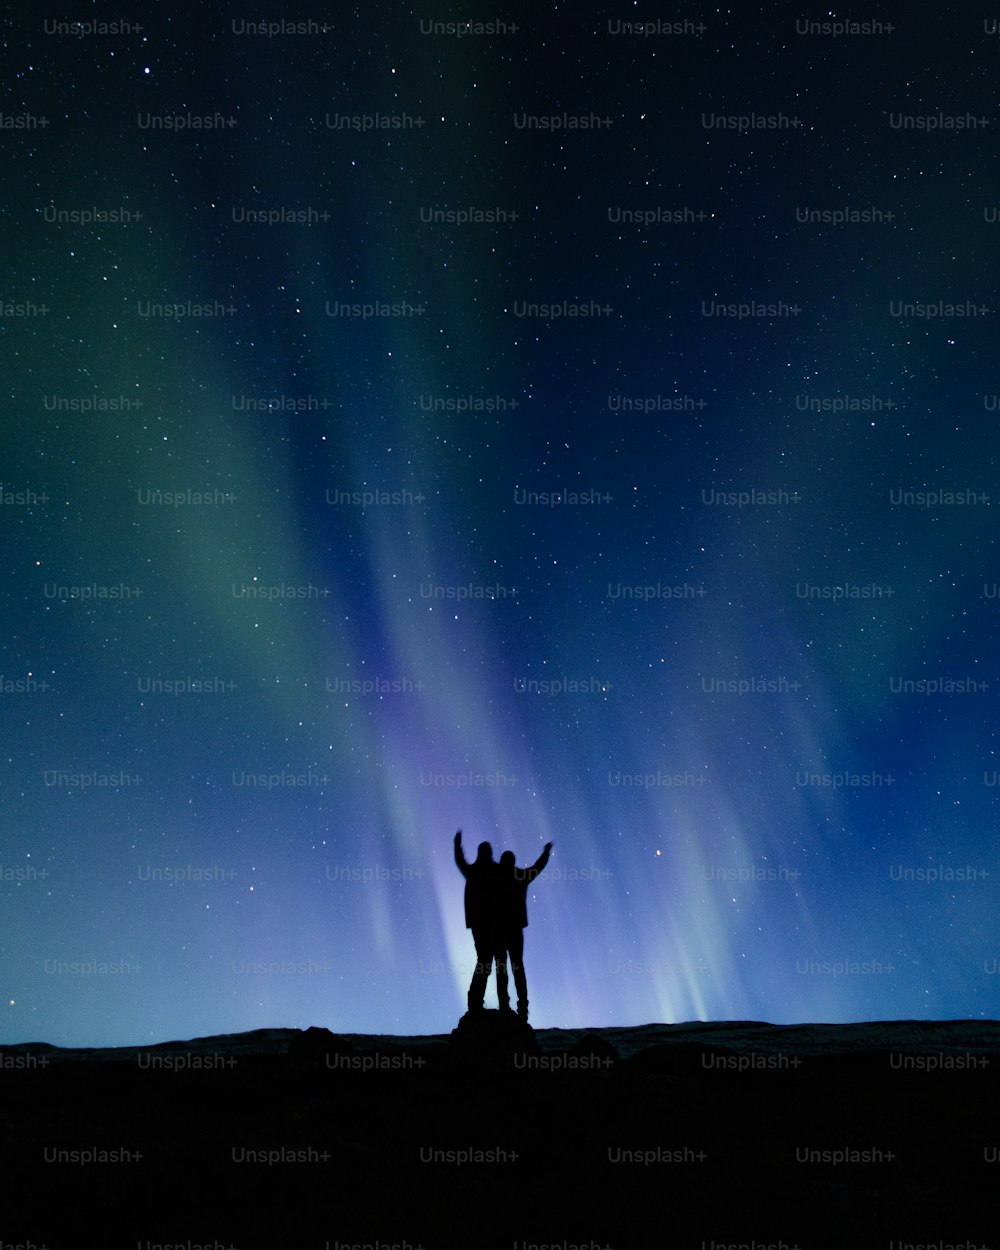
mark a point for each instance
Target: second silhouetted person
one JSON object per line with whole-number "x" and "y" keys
{"x": 511, "y": 919}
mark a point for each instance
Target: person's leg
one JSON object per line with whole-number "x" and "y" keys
{"x": 503, "y": 996}
{"x": 515, "y": 947}
{"x": 484, "y": 961}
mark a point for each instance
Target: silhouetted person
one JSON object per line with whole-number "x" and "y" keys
{"x": 511, "y": 911}
{"x": 480, "y": 914}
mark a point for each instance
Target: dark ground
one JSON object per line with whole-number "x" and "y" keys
{"x": 347, "y": 1127}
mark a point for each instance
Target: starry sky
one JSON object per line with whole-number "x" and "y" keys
{"x": 579, "y": 430}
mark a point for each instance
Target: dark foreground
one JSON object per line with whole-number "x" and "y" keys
{"x": 698, "y": 1135}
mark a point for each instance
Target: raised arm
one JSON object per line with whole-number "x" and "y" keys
{"x": 460, "y": 859}
{"x": 540, "y": 862}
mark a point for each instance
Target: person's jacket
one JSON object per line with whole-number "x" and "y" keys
{"x": 513, "y": 893}
{"x": 480, "y": 889}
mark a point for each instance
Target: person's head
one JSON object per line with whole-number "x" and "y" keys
{"x": 507, "y": 862}
{"x": 484, "y": 853}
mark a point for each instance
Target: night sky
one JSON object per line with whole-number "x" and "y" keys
{"x": 572, "y": 432}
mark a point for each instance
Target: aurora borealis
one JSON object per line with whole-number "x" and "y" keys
{"x": 576, "y": 433}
